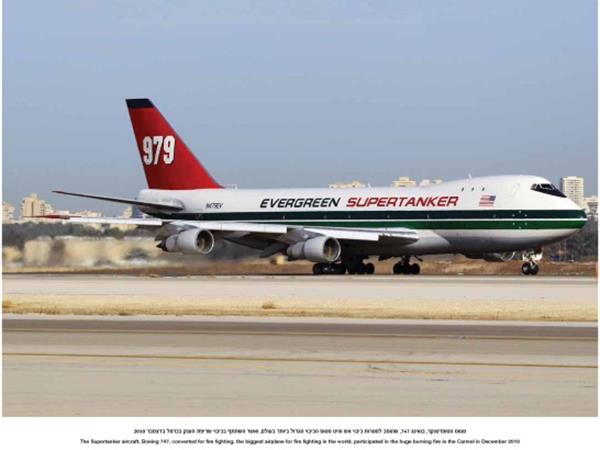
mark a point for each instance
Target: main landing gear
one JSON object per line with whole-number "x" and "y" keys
{"x": 406, "y": 268}
{"x": 329, "y": 269}
{"x": 361, "y": 268}
{"x": 532, "y": 259}
{"x": 351, "y": 266}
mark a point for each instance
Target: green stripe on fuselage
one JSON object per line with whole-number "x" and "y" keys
{"x": 417, "y": 215}
{"x": 445, "y": 224}
{"x": 492, "y": 219}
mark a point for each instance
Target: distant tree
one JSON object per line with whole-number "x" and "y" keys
{"x": 16, "y": 234}
{"x": 114, "y": 233}
{"x": 582, "y": 246}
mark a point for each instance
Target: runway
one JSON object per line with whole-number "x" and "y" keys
{"x": 401, "y": 297}
{"x": 296, "y": 367}
{"x": 371, "y": 287}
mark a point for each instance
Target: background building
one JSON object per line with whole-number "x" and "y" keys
{"x": 34, "y": 206}
{"x": 352, "y": 184}
{"x": 404, "y": 182}
{"x": 8, "y": 212}
{"x": 572, "y": 187}
{"x": 591, "y": 206}
{"x": 427, "y": 182}
{"x": 127, "y": 213}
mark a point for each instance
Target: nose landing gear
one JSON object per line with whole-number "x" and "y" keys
{"x": 532, "y": 259}
{"x": 530, "y": 269}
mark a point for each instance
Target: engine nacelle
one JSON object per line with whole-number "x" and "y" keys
{"x": 190, "y": 242}
{"x": 493, "y": 257}
{"x": 322, "y": 249}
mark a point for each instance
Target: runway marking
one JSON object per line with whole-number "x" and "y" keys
{"x": 313, "y": 360}
{"x": 315, "y": 334}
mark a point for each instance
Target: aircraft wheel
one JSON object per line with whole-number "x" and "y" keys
{"x": 398, "y": 269}
{"x": 414, "y": 269}
{"x": 361, "y": 269}
{"x": 351, "y": 270}
{"x": 534, "y": 270}
{"x": 318, "y": 269}
{"x": 339, "y": 269}
{"x": 526, "y": 269}
{"x": 369, "y": 268}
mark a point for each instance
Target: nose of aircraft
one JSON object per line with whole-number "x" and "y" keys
{"x": 580, "y": 215}
{"x": 575, "y": 206}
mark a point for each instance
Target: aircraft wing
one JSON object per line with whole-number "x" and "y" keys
{"x": 288, "y": 234}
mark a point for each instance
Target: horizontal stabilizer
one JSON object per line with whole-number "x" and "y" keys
{"x": 166, "y": 206}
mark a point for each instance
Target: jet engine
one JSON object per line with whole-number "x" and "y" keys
{"x": 493, "y": 257}
{"x": 189, "y": 242}
{"x": 322, "y": 249}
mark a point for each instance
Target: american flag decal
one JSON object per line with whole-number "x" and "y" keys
{"x": 487, "y": 200}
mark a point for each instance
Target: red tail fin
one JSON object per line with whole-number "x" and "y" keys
{"x": 167, "y": 161}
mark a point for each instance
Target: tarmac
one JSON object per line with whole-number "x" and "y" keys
{"x": 202, "y": 366}
{"x": 373, "y": 287}
{"x": 400, "y": 297}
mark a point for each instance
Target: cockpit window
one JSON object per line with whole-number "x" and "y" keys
{"x": 547, "y": 188}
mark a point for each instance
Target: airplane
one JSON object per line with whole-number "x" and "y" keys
{"x": 493, "y": 218}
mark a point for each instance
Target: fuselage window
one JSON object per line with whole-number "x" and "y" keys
{"x": 546, "y": 188}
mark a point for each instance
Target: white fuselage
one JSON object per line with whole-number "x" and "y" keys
{"x": 477, "y": 215}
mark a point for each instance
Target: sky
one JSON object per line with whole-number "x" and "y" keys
{"x": 298, "y": 93}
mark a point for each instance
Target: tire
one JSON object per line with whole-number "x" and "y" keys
{"x": 370, "y": 268}
{"x": 526, "y": 269}
{"x": 534, "y": 270}
{"x": 361, "y": 269}
{"x": 339, "y": 269}
{"x": 351, "y": 270}
{"x": 414, "y": 269}
{"x": 397, "y": 269}
{"x": 318, "y": 269}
